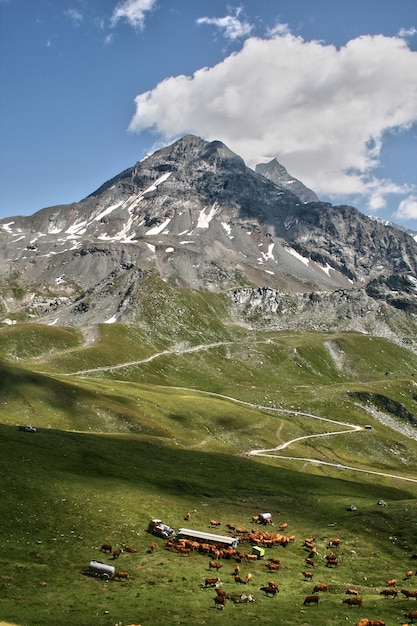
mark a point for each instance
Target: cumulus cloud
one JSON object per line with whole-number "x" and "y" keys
{"x": 133, "y": 12}
{"x": 322, "y": 111}
{"x": 232, "y": 27}
{"x": 407, "y": 209}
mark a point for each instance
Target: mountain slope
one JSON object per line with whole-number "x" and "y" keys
{"x": 195, "y": 216}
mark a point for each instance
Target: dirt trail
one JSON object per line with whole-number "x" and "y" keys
{"x": 265, "y": 452}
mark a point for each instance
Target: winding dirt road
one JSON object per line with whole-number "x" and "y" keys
{"x": 265, "y": 452}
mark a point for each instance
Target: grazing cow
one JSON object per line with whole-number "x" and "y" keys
{"x": 411, "y": 615}
{"x": 271, "y": 583}
{"x": 370, "y": 622}
{"x": 391, "y": 583}
{"x": 269, "y": 591}
{"x": 312, "y": 552}
{"x": 408, "y": 574}
{"x": 311, "y": 600}
{"x": 308, "y": 575}
{"x": 231, "y": 526}
{"x": 283, "y": 526}
{"x": 183, "y": 550}
{"x": 409, "y": 593}
{"x": 131, "y": 550}
{"x": 238, "y": 598}
{"x": 215, "y": 565}
{"x": 334, "y": 543}
{"x": 238, "y": 579}
{"x": 248, "y": 578}
{"x": 332, "y": 562}
{"x": 273, "y": 567}
{"x": 389, "y": 592}
{"x": 220, "y": 602}
{"x": 211, "y": 582}
{"x": 152, "y": 547}
{"x": 310, "y": 562}
{"x": 352, "y": 592}
{"x": 241, "y": 531}
{"x": 117, "y": 553}
{"x": 124, "y": 575}
{"x": 255, "y": 519}
{"x": 106, "y": 547}
{"x": 214, "y": 522}
{"x": 355, "y": 601}
{"x": 321, "y": 587}
{"x": 187, "y": 516}
{"x": 273, "y": 560}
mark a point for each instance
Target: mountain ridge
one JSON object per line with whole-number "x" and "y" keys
{"x": 196, "y": 216}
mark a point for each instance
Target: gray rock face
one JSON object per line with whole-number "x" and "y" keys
{"x": 197, "y": 217}
{"x": 278, "y": 174}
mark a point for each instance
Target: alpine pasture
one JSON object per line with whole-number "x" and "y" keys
{"x": 132, "y": 426}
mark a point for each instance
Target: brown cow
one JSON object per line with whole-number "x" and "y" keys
{"x": 389, "y": 592}
{"x": 269, "y": 591}
{"x": 409, "y": 593}
{"x": 122, "y": 575}
{"x": 273, "y": 567}
{"x": 352, "y": 592}
{"x": 211, "y": 582}
{"x": 309, "y": 562}
{"x": 117, "y": 553}
{"x": 237, "y": 570}
{"x": 320, "y": 587}
{"x": 334, "y": 543}
{"x": 231, "y": 526}
{"x": 411, "y": 615}
{"x": 391, "y": 583}
{"x": 248, "y": 578}
{"x": 355, "y": 601}
{"x": 187, "y": 516}
{"x": 311, "y": 600}
{"x": 273, "y": 560}
{"x": 220, "y": 602}
{"x": 308, "y": 575}
{"x": 214, "y": 522}
{"x": 370, "y": 622}
{"x": 283, "y": 526}
{"x": 238, "y": 579}
{"x": 215, "y": 565}
{"x": 106, "y": 547}
{"x": 408, "y": 574}
{"x": 131, "y": 550}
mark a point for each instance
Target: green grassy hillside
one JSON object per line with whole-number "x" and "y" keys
{"x": 133, "y": 425}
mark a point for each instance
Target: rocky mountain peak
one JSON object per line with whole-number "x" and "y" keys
{"x": 273, "y": 170}
{"x": 196, "y": 216}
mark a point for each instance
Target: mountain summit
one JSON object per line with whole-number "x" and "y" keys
{"x": 197, "y": 217}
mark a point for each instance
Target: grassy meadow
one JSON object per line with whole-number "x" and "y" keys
{"x": 132, "y": 425}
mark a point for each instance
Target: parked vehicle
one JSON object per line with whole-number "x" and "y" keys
{"x": 156, "y": 527}
{"x": 27, "y": 429}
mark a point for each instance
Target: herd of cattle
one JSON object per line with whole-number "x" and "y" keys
{"x": 219, "y": 554}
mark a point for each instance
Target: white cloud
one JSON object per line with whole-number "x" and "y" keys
{"x": 407, "y": 32}
{"x": 133, "y": 11}
{"x": 321, "y": 111}
{"x": 74, "y": 15}
{"x": 407, "y": 209}
{"x": 233, "y": 28}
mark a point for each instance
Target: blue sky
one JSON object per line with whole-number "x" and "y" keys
{"x": 328, "y": 87}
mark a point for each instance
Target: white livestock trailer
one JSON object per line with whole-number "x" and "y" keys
{"x": 101, "y": 570}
